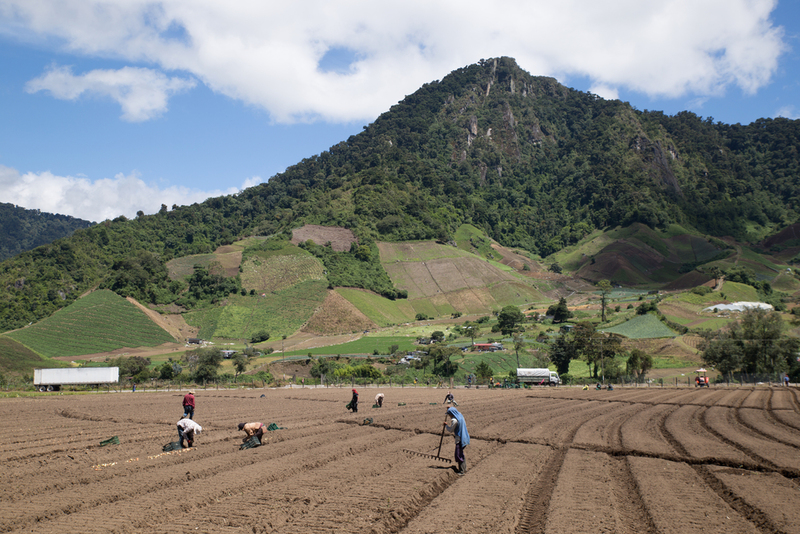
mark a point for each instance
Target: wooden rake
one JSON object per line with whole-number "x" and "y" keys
{"x": 437, "y": 457}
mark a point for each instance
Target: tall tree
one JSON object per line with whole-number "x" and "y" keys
{"x": 596, "y": 348}
{"x": 508, "y": 319}
{"x": 483, "y": 370}
{"x": 240, "y": 361}
{"x": 562, "y": 352}
{"x": 639, "y": 362}
{"x": 441, "y": 358}
{"x": 470, "y": 330}
{"x": 753, "y": 345}
{"x": 560, "y": 311}
{"x": 206, "y": 363}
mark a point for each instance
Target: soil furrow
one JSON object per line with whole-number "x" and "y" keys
{"x": 533, "y": 517}
{"x": 760, "y": 520}
{"x": 541, "y": 460}
{"x": 748, "y": 451}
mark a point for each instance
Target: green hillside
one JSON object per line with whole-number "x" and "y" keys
{"x": 15, "y": 358}
{"x": 279, "y": 313}
{"x": 23, "y": 229}
{"x": 276, "y": 270}
{"x": 521, "y": 159}
{"x": 380, "y": 310}
{"x": 99, "y": 322}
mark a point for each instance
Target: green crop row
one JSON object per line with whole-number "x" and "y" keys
{"x": 642, "y": 327}
{"x": 99, "y": 322}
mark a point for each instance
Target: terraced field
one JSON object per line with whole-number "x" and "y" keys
{"x": 547, "y": 461}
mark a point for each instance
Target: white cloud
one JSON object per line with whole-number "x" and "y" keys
{"x": 98, "y": 200}
{"x": 788, "y": 112}
{"x": 267, "y": 53}
{"x": 604, "y": 91}
{"x": 142, "y": 93}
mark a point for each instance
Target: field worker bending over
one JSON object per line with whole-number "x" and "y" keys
{"x": 187, "y": 429}
{"x": 449, "y": 399}
{"x": 459, "y": 429}
{"x": 353, "y": 404}
{"x": 379, "y": 399}
{"x": 188, "y": 405}
{"x": 252, "y": 429}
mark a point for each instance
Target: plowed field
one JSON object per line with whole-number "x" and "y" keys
{"x": 542, "y": 460}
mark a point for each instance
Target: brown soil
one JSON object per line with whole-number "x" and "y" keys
{"x": 544, "y": 460}
{"x": 339, "y": 238}
{"x": 337, "y": 315}
{"x": 174, "y": 324}
{"x": 516, "y": 261}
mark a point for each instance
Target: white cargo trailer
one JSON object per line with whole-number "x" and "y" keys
{"x": 53, "y": 379}
{"x": 538, "y": 376}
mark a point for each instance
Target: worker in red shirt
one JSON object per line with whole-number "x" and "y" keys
{"x": 188, "y": 405}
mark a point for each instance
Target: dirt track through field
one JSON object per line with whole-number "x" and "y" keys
{"x": 542, "y": 460}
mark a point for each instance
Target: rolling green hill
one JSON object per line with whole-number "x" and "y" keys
{"x": 521, "y": 159}
{"x": 101, "y": 321}
{"x": 279, "y": 313}
{"x": 16, "y": 358}
{"x": 23, "y": 229}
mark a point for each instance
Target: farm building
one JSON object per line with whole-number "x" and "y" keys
{"x": 486, "y": 347}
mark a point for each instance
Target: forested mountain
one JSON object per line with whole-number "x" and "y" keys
{"x": 23, "y": 229}
{"x": 535, "y": 164}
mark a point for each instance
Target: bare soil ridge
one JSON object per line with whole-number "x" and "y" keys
{"x": 542, "y": 460}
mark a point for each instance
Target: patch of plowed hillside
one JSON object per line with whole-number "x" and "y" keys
{"x": 516, "y": 261}
{"x": 225, "y": 264}
{"x": 339, "y": 238}
{"x": 265, "y": 272}
{"x": 690, "y": 248}
{"x": 337, "y": 316}
{"x": 623, "y": 263}
{"x": 418, "y": 251}
{"x": 426, "y": 279}
{"x": 428, "y": 269}
{"x": 789, "y": 235}
{"x": 664, "y": 348}
{"x": 175, "y": 325}
{"x": 690, "y": 280}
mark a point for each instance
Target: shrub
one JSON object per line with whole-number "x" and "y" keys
{"x": 260, "y": 336}
{"x": 701, "y": 290}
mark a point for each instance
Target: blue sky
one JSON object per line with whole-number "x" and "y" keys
{"x": 111, "y": 107}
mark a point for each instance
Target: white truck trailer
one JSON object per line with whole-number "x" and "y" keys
{"x": 537, "y": 376}
{"x": 53, "y": 379}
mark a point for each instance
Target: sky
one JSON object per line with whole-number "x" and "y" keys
{"x": 109, "y": 107}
